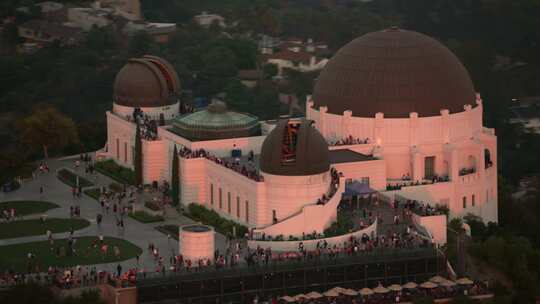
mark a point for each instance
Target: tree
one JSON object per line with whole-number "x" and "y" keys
{"x": 140, "y": 43}
{"x": 138, "y": 157}
{"x": 47, "y": 128}
{"x": 175, "y": 178}
{"x": 270, "y": 70}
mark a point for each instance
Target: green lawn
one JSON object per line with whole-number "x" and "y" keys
{"x": 23, "y": 208}
{"x": 15, "y": 256}
{"x": 24, "y": 228}
{"x": 145, "y": 217}
{"x": 69, "y": 178}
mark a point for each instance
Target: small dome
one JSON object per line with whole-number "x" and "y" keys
{"x": 216, "y": 122}
{"x": 146, "y": 82}
{"x": 294, "y": 148}
{"x": 395, "y": 72}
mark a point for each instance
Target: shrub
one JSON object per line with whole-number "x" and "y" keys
{"x": 171, "y": 230}
{"x": 70, "y": 178}
{"x": 145, "y": 217}
{"x": 113, "y": 170}
{"x": 152, "y": 206}
{"x": 210, "y": 217}
{"x": 116, "y": 187}
{"x": 93, "y": 193}
{"x": 343, "y": 225}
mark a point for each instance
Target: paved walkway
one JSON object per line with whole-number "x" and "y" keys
{"x": 137, "y": 233}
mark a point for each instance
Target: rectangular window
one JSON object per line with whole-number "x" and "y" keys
{"x": 365, "y": 180}
{"x": 220, "y": 199}
{"x": 118, "y": 148}
{"x": 212, "y": 194}
{"x": 238, "y": 206}
{"x": 274, "y": 216}
{"x": 228, "y": 202}
{"x": 473, "y": 200}
{"x": 464, "y": 202}
{"x": 125, "y": 151}
{"x": 247, "y": 211}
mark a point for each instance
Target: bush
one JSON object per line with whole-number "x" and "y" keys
{"x": 171, "y": 230}
{"x": 152, "y": 206}
{"x": 210, "y": 217}
{"x": 94, "y": 193}
{"x": 70, "y": 178}
{"x": 343, "y": 225}
{"x": 116, "y": 187}
{"x": 115, "y": 171}
{"x": 145, "y": 217}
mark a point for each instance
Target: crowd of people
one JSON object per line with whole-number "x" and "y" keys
{"x": 147, "y": 126}
{"x": 334, "y": 185}
{"x": 234, "y": 164}
{"x": 420, "y": 208}
{"x": 350, "y": 141}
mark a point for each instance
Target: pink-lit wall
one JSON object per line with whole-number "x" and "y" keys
{"x": 120, "y": 139}
{"x": 287, "y": 246}
{"x": 169, "y": 112}
{"x": 435, "y": 226}
{"x": 455, "y": 140}
{"x": 287, "y": 195}
{"x": 375, "y": 170}
{"x": 307, "y": 219}
{"x": 155, "y": 161}
{"x": 196, "y": 246}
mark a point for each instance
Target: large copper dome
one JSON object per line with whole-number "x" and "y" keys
{"x": 395, "y": 72}
{"x": 294, "y": 148}
{"x": 146, "y": 82}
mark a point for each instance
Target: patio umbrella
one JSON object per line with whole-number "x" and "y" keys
{"x": 428, "y": 285}
{"x": 447, "y": 283}
{"x": 380, "y": 289}
{"x": 349, "y": 292}
{"x": 366, "y": 291}
{"x": 339, "y": 289}
{"x": 437, "y": 279}
{"x": 394, "y": 287}
{"x": 464, "y": 281}
{"x": 410, "y": 285}
{"x": 331, "y": 293}
{"x": 314, "y": 295}
{"x": 288, "y": 299}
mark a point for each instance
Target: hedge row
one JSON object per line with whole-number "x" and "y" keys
{"x": 145, "y": 217}
{"x": 70, "y": 178}
{"x": 210, "y": 217}
{"x": 115, "y": 171}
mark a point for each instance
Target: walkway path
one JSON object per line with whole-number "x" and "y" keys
{"x": 137, "y": 233}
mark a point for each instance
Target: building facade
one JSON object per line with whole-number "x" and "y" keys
{"x": 393, "y": 110}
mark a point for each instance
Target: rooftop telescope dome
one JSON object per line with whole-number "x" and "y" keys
{"x": 395, "y": 72}
{"x": 294, "y": 148}
{"x": 146, "y": 82}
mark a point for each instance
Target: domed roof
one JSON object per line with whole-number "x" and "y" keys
{"x": 216, "y": 122}
{"x": 294, "y": 148}
{"x": 146, "y": 82}
{"x": 395, "y": 72}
